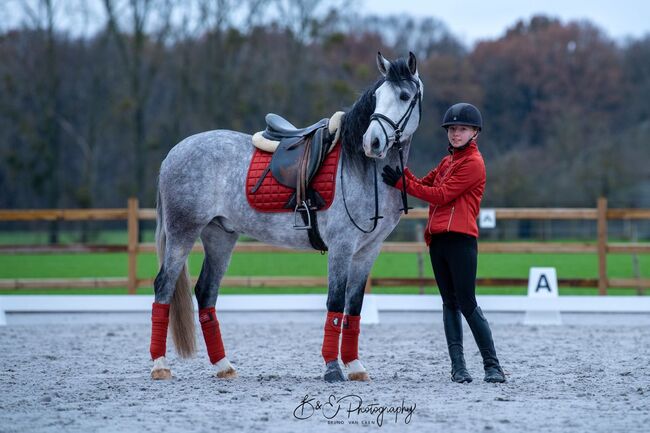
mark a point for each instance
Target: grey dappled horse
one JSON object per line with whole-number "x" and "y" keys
{"x": 201, "y": 194}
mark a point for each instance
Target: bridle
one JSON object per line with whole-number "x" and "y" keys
{"x": 398, "y": 130}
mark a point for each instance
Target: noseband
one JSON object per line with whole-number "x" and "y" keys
{"x": 398, "y": 130}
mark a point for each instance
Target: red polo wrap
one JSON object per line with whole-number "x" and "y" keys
{"x": 350, "y": 338}
{"x": 159, "y": 324}
{"x": 330, "y": 349}
{"x": 212, "y": 334}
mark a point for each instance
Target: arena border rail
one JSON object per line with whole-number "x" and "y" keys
{"x": 277, "y": 303}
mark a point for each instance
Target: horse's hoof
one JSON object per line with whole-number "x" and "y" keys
{"x": 225, "y": 370}
{"x": 230, "y": 373}
{"x": 361, "y": 376}
{"x": 161, "y": 374}
{"x": 333, "y": 372}
{"x": 160, "y": 370}
{"x": 356, "y": 371}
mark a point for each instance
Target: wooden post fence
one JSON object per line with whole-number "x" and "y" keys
{"x": 133, "y": 215}
{"x": 133, "y": 236}
{"x": 602, "y": 246}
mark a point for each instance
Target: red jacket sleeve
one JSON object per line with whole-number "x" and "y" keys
{"x": 466, "y": 175}
{"x": 426, "y": 180}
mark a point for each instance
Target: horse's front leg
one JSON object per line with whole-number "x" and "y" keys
{"x": 338, "y": 269}
{"x": 359, "y": 271}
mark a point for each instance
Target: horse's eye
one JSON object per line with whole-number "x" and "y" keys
{"x": 404, "y": 96}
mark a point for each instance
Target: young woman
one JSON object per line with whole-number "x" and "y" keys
{"x": 454, "y": 190}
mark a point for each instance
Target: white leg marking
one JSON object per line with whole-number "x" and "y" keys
{"x": 356, "y": 371}
{"x": 225, "y": 370}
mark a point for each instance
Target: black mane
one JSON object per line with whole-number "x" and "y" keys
{"x": 355, "y": 122}
{"x": 354, "y": 125}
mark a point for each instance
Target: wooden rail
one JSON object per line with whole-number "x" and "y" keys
{"x": 133, "y": 214}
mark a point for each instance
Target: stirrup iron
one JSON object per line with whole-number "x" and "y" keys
{"x": 302, "y": 207}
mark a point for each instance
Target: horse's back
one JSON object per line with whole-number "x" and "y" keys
{"x": 208, "y": 147}
{"x": 202, "y": 170}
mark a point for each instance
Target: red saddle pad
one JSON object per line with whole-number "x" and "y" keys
{"x": 272, "y": 196}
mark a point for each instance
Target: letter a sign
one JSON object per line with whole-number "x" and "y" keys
{"x": 542, "y": 283}
{"x": 542, "y": 290}
{"x": 487, "y": 219}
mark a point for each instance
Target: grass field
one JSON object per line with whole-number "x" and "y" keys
{"x": 312, "y": 264}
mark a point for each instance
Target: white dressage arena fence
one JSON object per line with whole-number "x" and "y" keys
{"x": 374, "y": 304}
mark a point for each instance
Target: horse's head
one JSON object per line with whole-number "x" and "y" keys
{"x": 398, "y": 105}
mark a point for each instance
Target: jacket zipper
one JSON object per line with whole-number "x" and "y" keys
{"x": 451, "y": 216}
{"x": 430, "y": 218}
{"x": 435, "y": 208}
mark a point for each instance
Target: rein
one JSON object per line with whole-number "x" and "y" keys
{"x": 374, "y": 219}
{"x": 398, "y": 130}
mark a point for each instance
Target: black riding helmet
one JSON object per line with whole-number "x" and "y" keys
{"x": 463, "y": 114}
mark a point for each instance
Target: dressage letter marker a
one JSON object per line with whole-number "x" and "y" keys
{"x": 543, "y": 292}
{"x": 487, "y": 219}
{"x": 542, "y": 283}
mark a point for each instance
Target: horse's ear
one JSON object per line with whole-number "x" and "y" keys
{"x": 382, "y": 64}
{"x": 413, "y": 64}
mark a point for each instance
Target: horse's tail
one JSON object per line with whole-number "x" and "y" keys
{"x": 181, "y": 311}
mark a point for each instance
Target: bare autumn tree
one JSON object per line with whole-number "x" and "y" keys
{"x": 554, "y": 86}
{"x": 46, "y": 141}
{"x": 543, "y": 68}
{"x": 636, "y": 60}
{"x": 225, "y": 57}
{"x": 140, "y": 29}
{"x": 634, "y": 121}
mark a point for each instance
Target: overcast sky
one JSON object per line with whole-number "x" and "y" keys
{"x": 468, "y": 20}
{"x": 472, "y": 20}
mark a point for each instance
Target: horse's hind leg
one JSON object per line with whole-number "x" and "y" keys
{"x": 171, "y": 287}
{"x": 218, "y": 245}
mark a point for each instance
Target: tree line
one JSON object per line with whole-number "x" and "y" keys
{"x": 86, "y": 117}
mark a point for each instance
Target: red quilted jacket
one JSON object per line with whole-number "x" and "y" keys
{"x": 453, "y": 189}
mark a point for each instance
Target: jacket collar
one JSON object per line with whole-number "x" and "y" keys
{"x": 460, "y": 151}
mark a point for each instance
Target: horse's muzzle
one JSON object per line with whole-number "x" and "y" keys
{"x": 374, "y": 145}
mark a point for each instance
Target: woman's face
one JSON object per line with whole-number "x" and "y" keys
{"x": 460, "y": 134}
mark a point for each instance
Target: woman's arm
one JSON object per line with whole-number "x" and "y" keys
{"x": 463, "y": 178}
{"x": 426, "y": 180}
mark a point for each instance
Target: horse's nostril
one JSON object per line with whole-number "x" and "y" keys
{"x": 375, "y": 143}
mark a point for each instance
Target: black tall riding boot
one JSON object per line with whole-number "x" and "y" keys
{"x": 483, "y": 336}
{"x": 452, "y": 321}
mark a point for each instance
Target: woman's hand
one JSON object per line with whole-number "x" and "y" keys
{"x": 390, "y": 176}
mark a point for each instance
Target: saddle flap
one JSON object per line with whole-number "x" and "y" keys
{"x": 286, "y": 161}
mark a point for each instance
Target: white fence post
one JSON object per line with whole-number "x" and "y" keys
{"x": 369, "y": 310}
{"x": 3, "y": 316}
